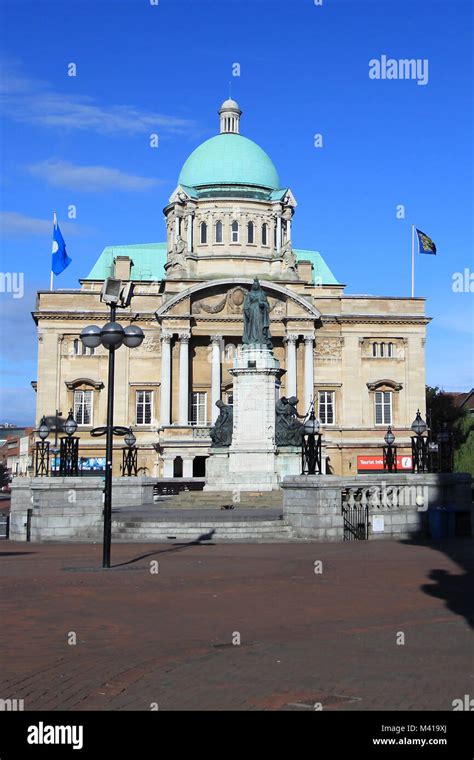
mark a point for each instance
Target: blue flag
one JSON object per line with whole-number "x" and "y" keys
{"x": 425, "y": 244}
{"x": 60, "y": 259}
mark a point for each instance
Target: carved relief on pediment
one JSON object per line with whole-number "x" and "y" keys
{"x": 232, "y": 302}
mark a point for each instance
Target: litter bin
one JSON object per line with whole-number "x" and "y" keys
{"x": 438, "y": 522}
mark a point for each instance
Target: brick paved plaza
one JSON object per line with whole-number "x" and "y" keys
{"x": 306, "y": 637}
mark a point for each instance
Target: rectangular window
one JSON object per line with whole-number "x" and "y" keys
{"x": 383, "y": 408}
{"x": 144, "y": 401}
{"x": 326, "y": 407}
{"x": 83, "y": 407}
{"x": 199, "y": 408}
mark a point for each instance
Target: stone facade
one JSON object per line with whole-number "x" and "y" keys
{"x": 326, "y": 342}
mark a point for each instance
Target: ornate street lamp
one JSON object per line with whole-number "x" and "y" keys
{"x": 311, "y": 444}
{"x": 69, "y": 449}
{"x": 389, "y": 452}
{"x": 111, "y": 336}
{"x": 42, "y": 450}
{"x": 419, "y": 444}
{"x": 129, "y": 455}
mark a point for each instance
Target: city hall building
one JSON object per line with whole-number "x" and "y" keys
{"x": 229, "y": 220}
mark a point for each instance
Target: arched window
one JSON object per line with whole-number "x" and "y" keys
{"x": 375, "y": 349}
{"x": 203, "y": 229}
{"x": 218, "y": 232}
{"x": 77, "y": 347}
{"x": 235, "y": 232}
{"x": 382, "y": 349}
{"x": 390, "y": 350}
{"x": 265, "y": 234}
{"x": 250, "y": 232}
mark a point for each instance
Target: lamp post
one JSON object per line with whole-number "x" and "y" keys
{"x": 389, "y": 452}
{"x": 69, "y": 449}
{"x": 129, "y": 455}
{"x": 111, "y": 336}
{"x": 42, "y": 450}
{"x": 445, "y": 450}
{"x": 311, "y": 444}
{"x": 419, "y": 444}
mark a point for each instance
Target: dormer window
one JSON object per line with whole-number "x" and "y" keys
{"x": 235, "y": 232}
{"x": 203, "y": 233}
{"x": 265, "y": 234}
{"x": 250, "y": 232}
{"x": 218, "y": 235}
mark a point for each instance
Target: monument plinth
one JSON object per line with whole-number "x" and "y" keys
{"x": 251, "y": 461}
{"x": 248, "y": 464}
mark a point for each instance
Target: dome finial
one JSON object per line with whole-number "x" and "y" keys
{"x": 230, "y": 114}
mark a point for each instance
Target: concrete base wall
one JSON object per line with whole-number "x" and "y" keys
{"x": 398, "y": 504}
{"x": 70, "y": 508}
{"x": 220, "y": 475}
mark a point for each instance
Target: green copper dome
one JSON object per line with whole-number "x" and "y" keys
{"x": 229, "y": 159}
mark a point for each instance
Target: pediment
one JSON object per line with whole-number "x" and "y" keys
{"x": 226, "y": 297}
{"x": 230, "y": 302}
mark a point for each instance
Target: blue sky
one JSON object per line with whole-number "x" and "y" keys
{"x": 165, "y": 69}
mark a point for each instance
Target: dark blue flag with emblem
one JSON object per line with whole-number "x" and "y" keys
{"x": 425, "y": 244}
{"x": 60, "y": 259}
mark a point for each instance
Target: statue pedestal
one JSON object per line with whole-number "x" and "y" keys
{"x": 250, "y": 464}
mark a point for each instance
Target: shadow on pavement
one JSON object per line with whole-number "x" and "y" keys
{"x": 200, "y": 541}
{"x": 457, "y": 591}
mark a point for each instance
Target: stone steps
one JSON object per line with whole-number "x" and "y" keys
{"x": 205, "y": 530}
{"x": 210, "y": 500}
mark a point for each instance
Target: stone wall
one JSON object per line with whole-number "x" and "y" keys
{"x": 398, "y": 504}
{"x": 70, "y": 508}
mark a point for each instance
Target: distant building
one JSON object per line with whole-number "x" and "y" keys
{"x": 17, "y": 452}
{"x": 463, "y": 401}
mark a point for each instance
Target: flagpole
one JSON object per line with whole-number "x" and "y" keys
{"x": 412, "y": 260}
{"x": 51, "y": 280}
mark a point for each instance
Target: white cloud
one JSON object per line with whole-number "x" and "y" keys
{"x": 15, "y": 224}
{"x": 90, "y": 178}
{"x": 34, "y": 102}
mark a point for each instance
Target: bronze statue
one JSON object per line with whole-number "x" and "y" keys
{"x": 221, "y": 433}
{"x": 257, "y": 317}
{"x": 288, "y": 429}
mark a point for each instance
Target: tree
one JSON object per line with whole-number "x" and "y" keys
{"x": 4, "y": 475}
{"x": 441, "y": 411}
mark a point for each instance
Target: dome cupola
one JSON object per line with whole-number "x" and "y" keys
{"x": 230, "y": 114}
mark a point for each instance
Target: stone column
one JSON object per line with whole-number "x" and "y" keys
{"x": 183, "y": 412}
{"x": 165, "y": 405}
{"x": 188, "y": 467}
{"x": 216, "y": 341}
{"x": 278, "y": 239}
{"x": 291, "y": 340}
{"x": 190, "y": 231}
{"x": 168, "y": 466}
{"x": 288, "y": 230}
{"x": 308, "y": 369}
